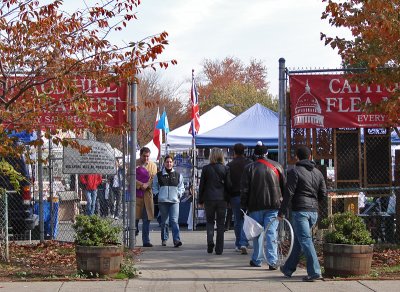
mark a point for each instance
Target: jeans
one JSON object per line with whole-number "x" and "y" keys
{"x": 215, "y": 210}
{"x": 302, "y": 222}
{"x": 241, "y": 239}
{"x": 264, "y": 217}
{"x": 115, "y": 201}
{"x": 145, "y": 226}
{"x": 91, "y": 196}
{"x": 171, "y": 211}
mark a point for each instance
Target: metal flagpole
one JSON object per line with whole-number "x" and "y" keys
{"x": 194, "y": 184}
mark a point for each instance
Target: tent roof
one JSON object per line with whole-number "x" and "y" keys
{"x": 258, "y": 123}
{"x": 215, "y": 117}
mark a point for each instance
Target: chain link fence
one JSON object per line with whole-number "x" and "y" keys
{"x": 73, "y": 184}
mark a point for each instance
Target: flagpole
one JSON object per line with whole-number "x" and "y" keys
{"x": 194, "y": 185}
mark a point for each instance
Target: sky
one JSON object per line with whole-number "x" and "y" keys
{"x": 265, "y": 30}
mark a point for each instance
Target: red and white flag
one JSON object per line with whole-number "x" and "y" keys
{"x": 157, "y": 136}
{"x": 195, "y": 123}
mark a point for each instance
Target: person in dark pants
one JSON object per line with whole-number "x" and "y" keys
{"x": 305, "y": 189}
{"x": 214, "y": 182}
{"x": 236, "y": 167}
{"x": 116, "y": 183}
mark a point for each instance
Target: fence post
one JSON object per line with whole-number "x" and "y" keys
{"x": 282, "y": 112}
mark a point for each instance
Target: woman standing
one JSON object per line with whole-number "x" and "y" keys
{"x": 214, "y": 182}
{"x": 168, "y": 184}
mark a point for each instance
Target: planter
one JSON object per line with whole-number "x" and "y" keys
{"x": 347, "y": 260}
{"x": 101, "y": 260}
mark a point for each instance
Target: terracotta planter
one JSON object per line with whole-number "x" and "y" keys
{"x": 347, "y": 260}
{"x": 102, "y": 260}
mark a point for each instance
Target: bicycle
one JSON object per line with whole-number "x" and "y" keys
{"x": 284, "y": 239}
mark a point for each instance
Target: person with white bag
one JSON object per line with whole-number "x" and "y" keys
{"x": 262, "y": 186}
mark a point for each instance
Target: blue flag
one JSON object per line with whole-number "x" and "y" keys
{"x": 163, "y": 123}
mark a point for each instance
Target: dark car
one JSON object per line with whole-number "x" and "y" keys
{"x": 20, "y": 207}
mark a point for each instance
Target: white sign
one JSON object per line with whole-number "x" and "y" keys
{"x": 101, "y": 159}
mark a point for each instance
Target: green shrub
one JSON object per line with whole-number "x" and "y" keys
{"x": 347, "y": 228}
{"x": 95, "y": 231}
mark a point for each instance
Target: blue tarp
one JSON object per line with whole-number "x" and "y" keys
{"x": 258, "y": 123}
{"x": 23, "y": 136}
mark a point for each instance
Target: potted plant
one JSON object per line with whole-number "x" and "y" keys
{"x": 98, "y": 246}
{"x": 348, "y": 245}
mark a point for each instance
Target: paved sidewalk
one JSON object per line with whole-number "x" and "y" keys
{"x": 191, "y": 268}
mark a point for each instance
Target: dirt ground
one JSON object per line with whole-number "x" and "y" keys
{"x": 54, "y": 260}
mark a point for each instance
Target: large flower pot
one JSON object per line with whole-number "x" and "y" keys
{"x": 101, "y": 260}
{"x": 347, "y": 260}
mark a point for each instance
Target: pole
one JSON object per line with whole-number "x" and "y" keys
{"x": 40, "y": 184}
{"x": 282, "y": 112}
{"x": 132, "y": 164}
{"x": 194, "y": 185}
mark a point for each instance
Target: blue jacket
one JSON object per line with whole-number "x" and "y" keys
{"x": 168, "y": 186}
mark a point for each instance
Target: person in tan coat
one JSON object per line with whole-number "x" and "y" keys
{"x": 145, "y": 205}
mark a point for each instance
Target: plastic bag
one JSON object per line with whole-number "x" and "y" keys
{"x": 251, "y": 227}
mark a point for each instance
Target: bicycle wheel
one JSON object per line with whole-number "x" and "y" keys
{"x": 284, "y": 239}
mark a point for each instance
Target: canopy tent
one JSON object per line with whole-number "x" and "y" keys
{"x": 180, "y": 139}
{"x": 258, "y": 123}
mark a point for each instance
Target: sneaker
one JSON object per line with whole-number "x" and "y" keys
{"x": 237, "y": 249}
{"x": 210, "y": 248}
{"x": 253, "y": 264}
{"x": 283, "y": 272}
{"x": 116, "y": 218}
{"x": 164, "y": 243}
{"x": 148, "y": 244}
{"x": 243, "y": 250}
{"x": 272, "y": 267}
{"x": 177, "y": 243}
{"x": 312, "y": 279}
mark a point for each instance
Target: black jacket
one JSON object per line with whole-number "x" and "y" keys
{"x": 305, "y": 187}
{"x": 236, "y": 168}
{"x": 214, "y": 183}
{"x": 261, "y": 188}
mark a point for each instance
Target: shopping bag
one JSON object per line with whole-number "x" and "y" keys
{"x": 251, "y": 227}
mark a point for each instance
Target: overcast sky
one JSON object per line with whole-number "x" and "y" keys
{"x": 214, "y": 29}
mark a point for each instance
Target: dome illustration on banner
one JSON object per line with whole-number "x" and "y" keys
{"x": 308, "y": 111}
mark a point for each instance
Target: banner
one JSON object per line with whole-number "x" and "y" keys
{"x": 330, "y": 101}
{"x": 107, "y": 104}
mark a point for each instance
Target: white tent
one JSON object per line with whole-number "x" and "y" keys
{"x": 180, "y": 139}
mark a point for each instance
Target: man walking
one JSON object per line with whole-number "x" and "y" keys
{"x": 261, "y": 191}
{"x": 305, "y": 188}
{"x": 145, "y": 204}
{"x": 236, "y": 167}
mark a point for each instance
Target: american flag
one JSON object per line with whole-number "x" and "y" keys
{"x": 195, "y": 123}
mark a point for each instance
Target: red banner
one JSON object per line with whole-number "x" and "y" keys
{"x": 330, "y": 101}
{"x": 108, "y": 104}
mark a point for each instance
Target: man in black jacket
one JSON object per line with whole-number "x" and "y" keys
{"x": 236, "y": 167}
{"x": 305, "y": 188}
{"x": 261, "y": 191}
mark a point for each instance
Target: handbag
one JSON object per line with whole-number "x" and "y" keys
{"x": 251, "y": 227}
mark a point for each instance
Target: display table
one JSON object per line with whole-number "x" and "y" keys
{"x": 47, "y": 217}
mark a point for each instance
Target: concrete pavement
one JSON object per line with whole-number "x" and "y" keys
{"x": 191, "y": 268}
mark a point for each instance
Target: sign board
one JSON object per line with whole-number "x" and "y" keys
{"x": 331, "y": 101}
{"x": 101, "y": 159}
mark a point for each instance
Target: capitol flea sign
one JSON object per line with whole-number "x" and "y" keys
{"x": 330, "y": 101}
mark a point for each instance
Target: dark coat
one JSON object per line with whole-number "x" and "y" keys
{"x": 214, "y": 183}
{"x": 236, "y": 168}
{"x": 261, "y": 188}
{"x": 305, "y": 187}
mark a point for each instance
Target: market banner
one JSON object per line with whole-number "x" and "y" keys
{"x": 330, "y": 101}
{"x": 105, "y": 103}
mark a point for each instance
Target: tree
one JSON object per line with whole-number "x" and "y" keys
{"x": 375, "y": 43}
{"x": 153, "y": 93}
{"x": 232, "y": 84}
{"x": 44, "y": 48}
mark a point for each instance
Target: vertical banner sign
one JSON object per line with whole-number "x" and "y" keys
{"x": 330, "y": 101}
